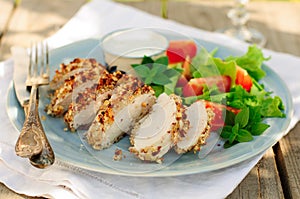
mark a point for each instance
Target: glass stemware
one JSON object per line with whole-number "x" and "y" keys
{"x": 239, "y": 17}
{"x": 164, "y": 8}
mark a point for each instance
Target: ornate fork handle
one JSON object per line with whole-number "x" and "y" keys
{"x": 32, "y": 142}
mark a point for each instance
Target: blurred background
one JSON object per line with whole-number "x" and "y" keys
{"x": 273, "y": 18}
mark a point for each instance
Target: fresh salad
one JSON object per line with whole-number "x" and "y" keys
{"x": 230, "y": 87}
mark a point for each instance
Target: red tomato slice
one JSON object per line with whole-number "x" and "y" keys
{"x": 178, "y": 50}
{"x": 243, "y": 78}
{"x": 195, "y": 86}
{"x": 186, "y": 74}
{"x": 218, "y": 120}
{"x": 182, "y": 81}
{"x": 219, "y": 111}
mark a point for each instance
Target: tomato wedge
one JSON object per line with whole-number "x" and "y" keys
{"x": 182, "y": 81}
{"x": 219, "y": 111}
{"x": 243, "y": 78}
{"x": 178, "y": 50}
{"x": 195, "y": 86}
{"x": 218, "y": 119}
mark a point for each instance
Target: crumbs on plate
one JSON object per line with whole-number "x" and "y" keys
{"x": 118, "y": 155}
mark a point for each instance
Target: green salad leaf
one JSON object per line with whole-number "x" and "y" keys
{"x": 203, "y": 65}
{"x": 252, "y": 62}
{"x": 254, "y": 105}
{"x": 226, "y": 68}
{"x": 157, "y": 74}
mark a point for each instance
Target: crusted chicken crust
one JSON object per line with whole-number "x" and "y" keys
{"x": 88, "y": 101}
{"x": 62, "y": 97}
{"x": 67, "y": 70}
{"x": 130, "y": 101}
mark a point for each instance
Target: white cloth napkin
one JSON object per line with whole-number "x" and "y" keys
{"x": 96, "y": 19}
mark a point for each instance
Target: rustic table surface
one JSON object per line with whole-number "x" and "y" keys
{"x": 277, "y": 175}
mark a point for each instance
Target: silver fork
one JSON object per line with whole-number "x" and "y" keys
{"x": 32, "y": 142}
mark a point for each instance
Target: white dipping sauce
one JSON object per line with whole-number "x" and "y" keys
{"x": 126, "y": 47}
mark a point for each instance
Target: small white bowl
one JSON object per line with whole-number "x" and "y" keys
{"x": 125, "y": 47}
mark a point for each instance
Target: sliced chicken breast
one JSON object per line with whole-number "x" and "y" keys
{"x": 86, "y": 104}
{"x": 77, "y": 83}
{"x": 67, "y": 70}
{"x": 198, "y": 119}
{"x": 130, "y": 101}
{"x": 156, "y": 133}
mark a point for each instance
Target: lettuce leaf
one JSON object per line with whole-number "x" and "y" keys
{"x": 252, "y": 62}
{"x": 204, "y": 64}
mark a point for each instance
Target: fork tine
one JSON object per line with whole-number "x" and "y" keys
{"x": 47, "y": 61}
{"x": 29, "y": 72}
{"x": 44, "y": 73}
{"x": 38, "y": 70}
{"x": 35, "y": 68}
{"x": 42, "y": 60}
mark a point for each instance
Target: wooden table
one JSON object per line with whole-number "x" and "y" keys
{"x": 277, "y": 174}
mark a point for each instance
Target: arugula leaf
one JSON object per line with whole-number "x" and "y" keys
{"x": 239, "y": 98}
{"x": 162, "y": 60}
{"x": 158, "y": 89}
{"x": 241, "y": 127}
{"x": 157, "y": 68}
{"x": 254, "y": 114}
{"x": 226, "y": 131}
{"x": 244, "y": 136}
{"x": 227, "y": 144}
{"x": 234, "y": 133}
{"x": 170, "y": 87}
{"x": 259, "y": 128}
{"x": 230, "y": 117}
{"x": 157, "y": 74}
{"x": 148, "y": 80}
{"x": 147, "y": 60}
{"x": 142, "y": 70}
{"x": 161, "y": 79}
{"x": 242, "y": 117}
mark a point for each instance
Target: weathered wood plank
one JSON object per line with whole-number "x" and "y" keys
{"x": 7, "y": 193}
{"x": 269, "y": 180}
{"x": 262, "y": 182}
{"x": 34, "y": 20}
{"x": 248, "y": 188}
{"x": 281, "y": 24}
{"x": 288, "y": 161}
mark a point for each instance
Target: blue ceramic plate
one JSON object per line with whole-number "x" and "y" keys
{"x": 69, "y": 148}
